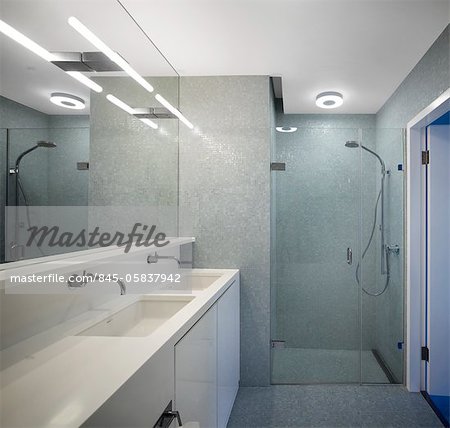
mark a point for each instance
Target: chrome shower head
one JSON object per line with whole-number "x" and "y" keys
{"x": 352, "y": 144}
{"x": 41, "y": 143}
{"x": 47, "y": 144}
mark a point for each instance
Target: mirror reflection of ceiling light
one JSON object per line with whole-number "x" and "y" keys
{"x": 113, "y": 56}
{"x": 130, "y": 110}
{"x": 20, "y": 38}
{"x": 67, "y": 101}
{"x": 85, "y": 80}
{"x": 286, "y": 129}
{"x": 329, "y": 100}
{"x": 173, "y": 110}
{"x": 149, "y": 122}
{"x": 120, "y": 103}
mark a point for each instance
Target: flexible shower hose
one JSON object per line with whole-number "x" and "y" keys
{"x": 388, "y": 276}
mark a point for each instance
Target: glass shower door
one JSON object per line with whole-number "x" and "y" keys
{"x": 316, "y": 234}
{"x": 382, "y": 256}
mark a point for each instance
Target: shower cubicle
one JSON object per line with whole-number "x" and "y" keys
{"x": 337, "y": 252}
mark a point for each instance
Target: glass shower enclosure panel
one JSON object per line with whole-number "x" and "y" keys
{"x": 3, "y": 180}
{"x": 316, "y": 241}
{"x": 382, "y": 264}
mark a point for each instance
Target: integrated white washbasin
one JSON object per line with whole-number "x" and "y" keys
{"x": 199, "y": 282}
{"x": 140, "y": 318}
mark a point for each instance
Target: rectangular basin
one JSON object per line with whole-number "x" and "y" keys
{"x": 138, "y": 319}
{"x": 196, "y": 282}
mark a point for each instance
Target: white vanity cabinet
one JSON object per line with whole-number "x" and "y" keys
{"x": 228, "y": 354}
{"x": 196, "y": 372}
{"x": 142, "y": 398}
{"x": 207, "y": 364}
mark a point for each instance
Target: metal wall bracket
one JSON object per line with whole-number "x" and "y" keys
{"x": 82, "y": 166}
{"x": 278, "y": 166}
{"x": 425, "y": 353}
{"x": 84, "y": 61}
{"x": 153, "y": 113}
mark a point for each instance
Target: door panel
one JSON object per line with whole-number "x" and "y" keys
{"x": 438, "y": 281}
{"x": 316, "y": 211}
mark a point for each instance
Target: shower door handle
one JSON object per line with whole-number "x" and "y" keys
{"x": 349, "y": 256}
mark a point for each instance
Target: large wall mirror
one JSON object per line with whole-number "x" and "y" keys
{"x": 86, "y": 118}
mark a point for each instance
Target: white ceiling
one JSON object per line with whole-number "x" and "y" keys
{"x": 362, "y": 48}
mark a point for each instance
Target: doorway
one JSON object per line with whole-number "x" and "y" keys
{"x": 428, "y": 274}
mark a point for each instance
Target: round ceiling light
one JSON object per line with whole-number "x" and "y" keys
{"x": 286, "y": 129}
{"x": 67, "y": 101}
{"x": 329, "y": 100}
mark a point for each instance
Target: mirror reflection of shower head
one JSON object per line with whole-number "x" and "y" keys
{"x": 47, "y": 144}
{"x": 41, "y": 143}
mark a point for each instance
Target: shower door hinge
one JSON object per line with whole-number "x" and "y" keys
{"x": 278, "y": 166}
{"x": 425, "y": 157}
{"x": 425, "y": 353}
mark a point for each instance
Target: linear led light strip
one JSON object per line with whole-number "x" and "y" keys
{"x": 130, "y": 110}
{"x": 173, "y": 110}
{"x": 113, "y": 56}
{"x": 20, "y": 38}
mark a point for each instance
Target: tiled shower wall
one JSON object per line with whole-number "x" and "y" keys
{"x": 225, "y": 188}
{"x": 428, "y": 79}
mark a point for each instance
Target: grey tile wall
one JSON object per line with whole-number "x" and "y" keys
{"x": 225, "y": 196}
{"x": 132, "y": 164}
{"x": 428, "y": 79}
{"x": 67, "y": 185}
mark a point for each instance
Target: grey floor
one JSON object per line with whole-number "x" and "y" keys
{"x": 330, "y": 406}
{"x": 307, "y": 366}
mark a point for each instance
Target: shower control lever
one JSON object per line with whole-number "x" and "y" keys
{"x": 349, "y": 256}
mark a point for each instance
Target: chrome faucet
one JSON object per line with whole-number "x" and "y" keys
{"x": 123, "y": 289}
{"x": 154, "y": 259}
{"x": 76, "y": 281}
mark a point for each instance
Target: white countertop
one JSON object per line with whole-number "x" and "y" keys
{"x": 66, "y": 382}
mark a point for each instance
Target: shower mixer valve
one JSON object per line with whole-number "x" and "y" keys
{"x": 393, "y": 249}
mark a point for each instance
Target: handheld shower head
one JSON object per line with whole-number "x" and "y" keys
{"x": 41, "y": 143}
{"x": 46, "y": 144}
{"x": 352, "y": 144}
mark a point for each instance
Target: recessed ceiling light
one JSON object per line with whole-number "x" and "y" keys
{"x": 286, "y": 129}
{"x": 67, "y": 101}
{"x": 329, "y": 100}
